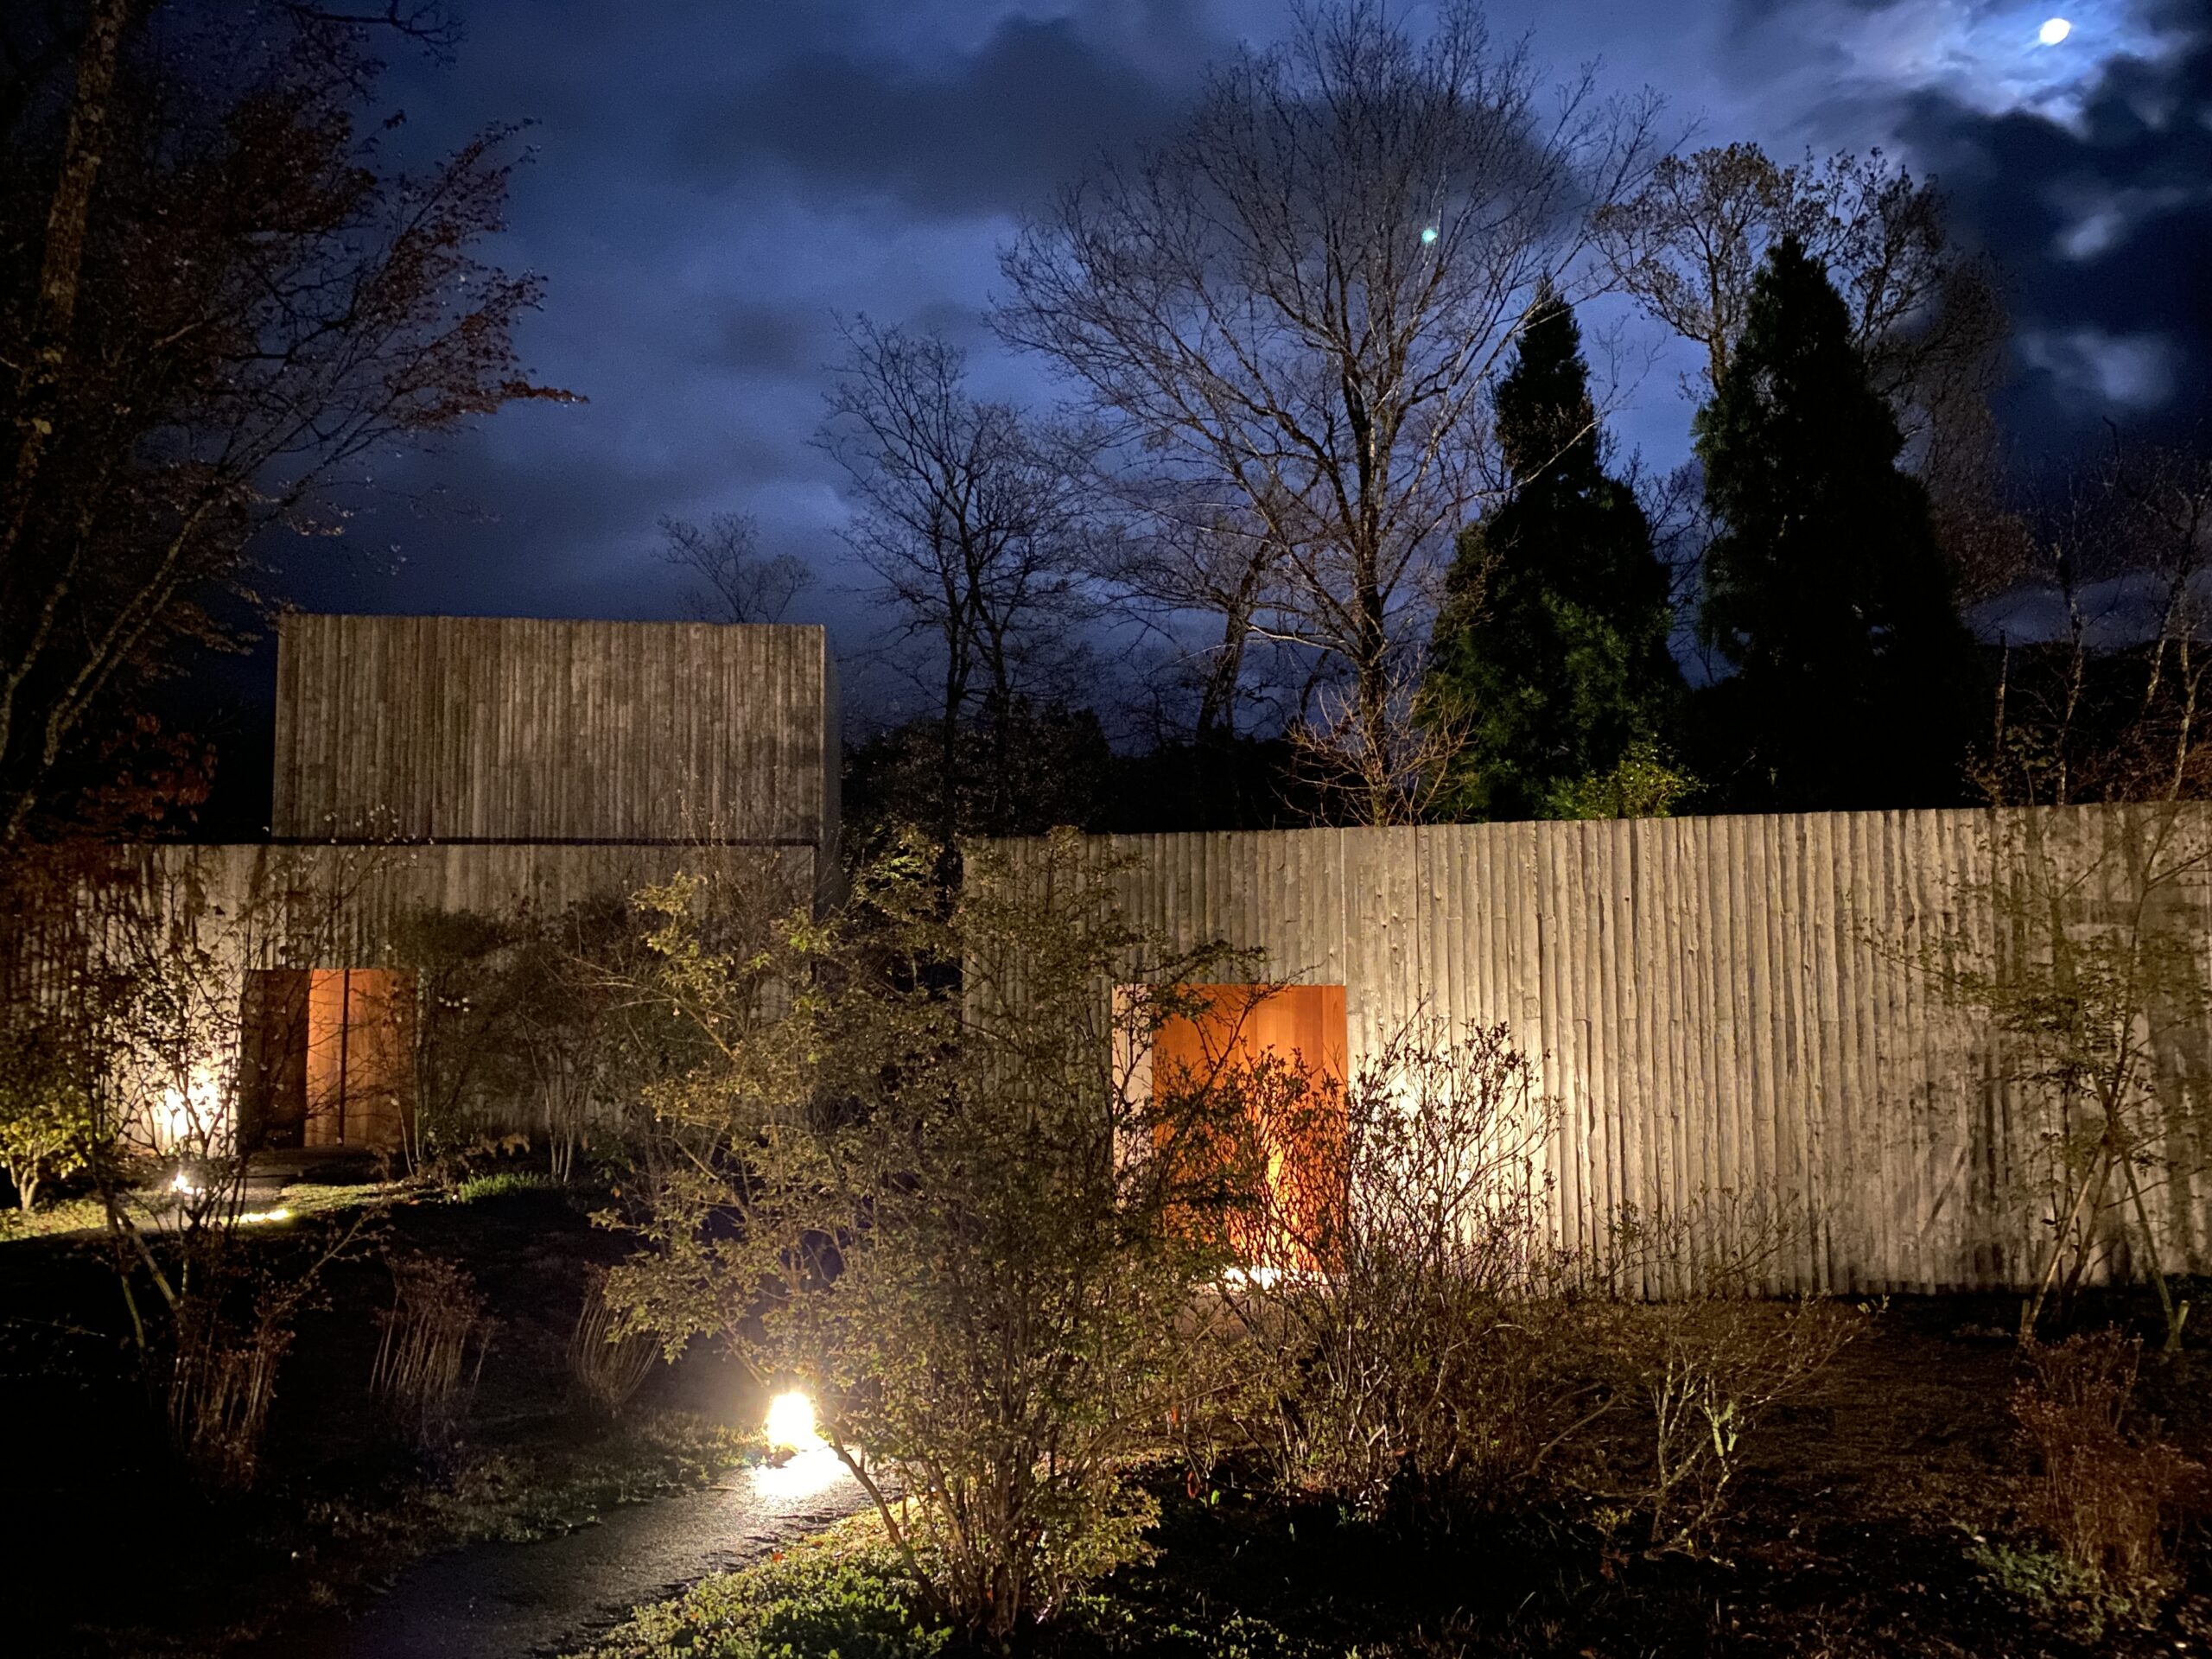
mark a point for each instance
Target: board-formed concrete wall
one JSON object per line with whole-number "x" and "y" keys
{"x": 517, "y": 729}
{"x": 1740, "y": 1004}
{"x": 499, "y": 766}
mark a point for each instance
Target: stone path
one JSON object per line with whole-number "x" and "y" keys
{"x": 513, "y": 1601}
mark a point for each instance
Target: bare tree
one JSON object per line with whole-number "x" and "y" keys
{"x": 732, "y": 580}
{"x": 2109, "y": 563}
{"x": 1297, "y": 302}
{"x": 215, "y": 302}
{"x": 1925, "y": 316}
{"x": 970, "y": 519}
{"x": 1202, "y": 575}
{"x": 1391, "y": 771}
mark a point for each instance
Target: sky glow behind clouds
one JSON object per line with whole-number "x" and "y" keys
{"x": 712, "y": 181}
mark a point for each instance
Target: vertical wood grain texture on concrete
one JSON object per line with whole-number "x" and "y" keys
{"x": 498, "y": 729}
{"x": 1727, "y": 1005}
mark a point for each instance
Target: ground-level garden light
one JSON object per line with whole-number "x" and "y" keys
{"x": 801, "y": 1462}
{"x": 791, "y": 1426}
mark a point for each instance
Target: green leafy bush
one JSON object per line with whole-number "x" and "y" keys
{"x": 843, "y": 1595}
{"x": 45, "y": 1117}
{"x": 2053, "y": 1587}
{"x": 922, "y": 1178}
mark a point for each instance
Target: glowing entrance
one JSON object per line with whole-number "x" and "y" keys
{"x": 1272, "y": 1033}
{"x": 329, "y": 1058}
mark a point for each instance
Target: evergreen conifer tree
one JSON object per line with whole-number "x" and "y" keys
{"x": 1826, "y": 587}
{"x": 1551, "y": 644}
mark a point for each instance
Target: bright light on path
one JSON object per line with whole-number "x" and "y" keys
{"x": 790, "y": 1423}
{"x": 810, "y": 1467}
{"x": 2054, "y": 30}
{"x": 799, "y": 1476}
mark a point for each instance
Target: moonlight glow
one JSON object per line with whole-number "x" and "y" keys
{"x": 2054, "y": 30}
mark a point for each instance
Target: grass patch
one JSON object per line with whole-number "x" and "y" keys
{"x": 84, "y": 1215}
{"x": 519, "y": 1497}
{"x": 315, "y": 1198}
{"x": 500, "y": 1184}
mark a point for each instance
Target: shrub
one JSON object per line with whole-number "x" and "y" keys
{"x": 427, "y": 1366}
{"x": 1406, "y": 1354}
{"x": 223, "y": 1382}
{"x": 1694, "y": 1352}
{"x": 921, "y": 1178}
{"x": 608, "y": 1360}
{"x": 46, "y": 1114}
{"x": 1698, "y": 1373}
{"x": 467, "y": 1050}
{"x": 2107, "y": 1497}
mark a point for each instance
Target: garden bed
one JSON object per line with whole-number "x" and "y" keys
{"x": 337, "y": 1511}
{"x": 1879, "y": 1514}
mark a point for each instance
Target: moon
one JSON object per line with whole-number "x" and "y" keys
{"x": 2054, "y": 30}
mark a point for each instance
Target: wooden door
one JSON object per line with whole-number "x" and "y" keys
{"x": 360, "y": 1057}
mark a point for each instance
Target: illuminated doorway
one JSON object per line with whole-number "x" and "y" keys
{"x": 329, "y": 1058}
{"x": 1303, "y": 1028}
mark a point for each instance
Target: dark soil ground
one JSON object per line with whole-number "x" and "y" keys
{"x": 117, "y": 1550}
{"x": 1855, "y": 1530}
{"x": 1866, "y": 1523}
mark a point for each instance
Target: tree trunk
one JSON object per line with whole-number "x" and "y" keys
{"x": 39, "y": 382}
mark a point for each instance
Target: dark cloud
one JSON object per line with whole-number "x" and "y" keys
{"x": 711, "y": 184}
{"x": 772, "y": 339}
{"x": 2084, "y": 169}
{"x": 993, "y": 131}
{"x": 2103, "y": 230}
{"x": 475, "y": 526}
{"x": 714, "y": 182}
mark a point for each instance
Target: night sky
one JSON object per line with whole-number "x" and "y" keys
{"x": 711, "y": 182}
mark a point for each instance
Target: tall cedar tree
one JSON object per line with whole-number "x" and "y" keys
{"x": 1825, "y": 587}
{"x": 1552, "y": 641}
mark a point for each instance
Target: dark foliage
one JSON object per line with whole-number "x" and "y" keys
{"x": 1033, "y": 770}
{"x": 1825, "y": 587}
{"x": 1220, "y": 782}
{"x": 1552, "y": 642}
